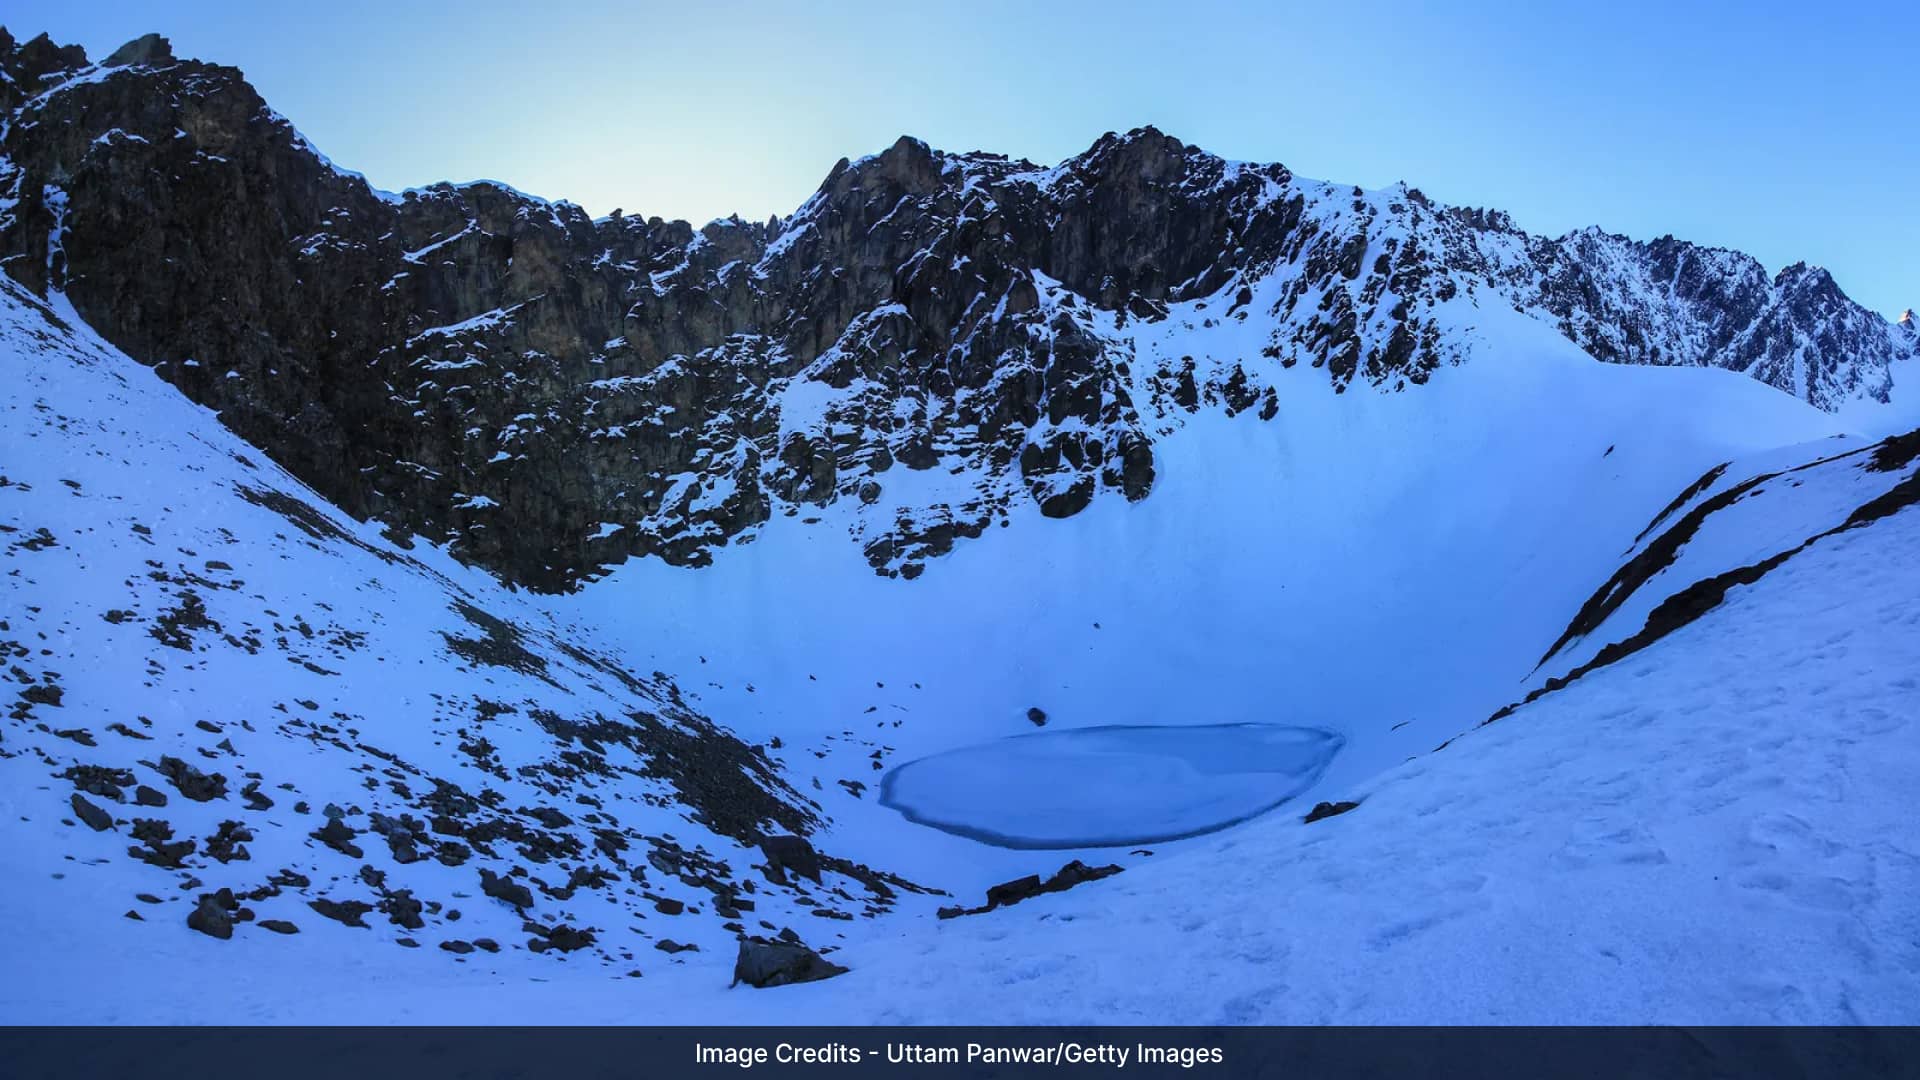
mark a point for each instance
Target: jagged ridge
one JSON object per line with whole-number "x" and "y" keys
{"x": 933, "y": 339}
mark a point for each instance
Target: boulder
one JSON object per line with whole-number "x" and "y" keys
{"x": 791, "y": 853}
{"x": 1327, "y": 810}
{"x": 95, "y": 818}
{"x": 211, "y": 916}
{"x": 503, "y": 889}
{"x": 768, "y": 963}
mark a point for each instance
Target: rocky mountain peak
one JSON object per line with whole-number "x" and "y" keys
{"x": 551, "y": 394}
{"x": 147, "y": 49}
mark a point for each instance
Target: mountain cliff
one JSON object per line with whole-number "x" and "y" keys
{"x": 931, "y": 338}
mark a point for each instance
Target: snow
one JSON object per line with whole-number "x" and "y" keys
{"x": 1710, "y": 831}
{"x": 328, "y": 663}
{"x": 1109, "y": 786}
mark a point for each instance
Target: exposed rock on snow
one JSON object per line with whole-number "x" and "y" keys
{"x": 1026, "y": 888}
{"x": 1325, "y": 810}
{"x": 793, "y": 853}
{"x": 771, "y": 963}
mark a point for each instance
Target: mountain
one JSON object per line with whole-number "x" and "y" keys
{"x": 241, "y": 692}
{"x": 479, "y": 546}
{"x": 553, "y": 394}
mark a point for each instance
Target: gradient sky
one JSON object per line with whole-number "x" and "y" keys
{"x": 1785, "y": 130}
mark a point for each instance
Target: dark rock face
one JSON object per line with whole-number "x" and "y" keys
{"x": 501, "y": 888}
{"x": 771, "y": 963}
{"x": 791, "y": 853}
{"x": 191, "y": 782}
{"x": 212, "y": 915}
{"x": 88, "y": 812}
{"x": 552, "y": 393}
{"x": 346, "y": 912}
{"x": 1026, "y": 888}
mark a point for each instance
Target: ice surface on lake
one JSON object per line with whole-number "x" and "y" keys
{"x": 1107, "y": 786}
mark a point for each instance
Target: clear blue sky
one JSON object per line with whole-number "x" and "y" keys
{"x": 1786, "y": 130}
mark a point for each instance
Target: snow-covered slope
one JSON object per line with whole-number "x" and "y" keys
{"x": 1387, "y": 567}
{"x": 1708, "y": 831}
{"x": 1615, "y": 658}
{"x": 220, "y": 683}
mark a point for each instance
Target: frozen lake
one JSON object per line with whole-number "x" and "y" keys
{"x": 1109, "y": 786}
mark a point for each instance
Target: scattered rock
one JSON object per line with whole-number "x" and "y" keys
{"x": 767, "y": 963}
{"x": 563, "y": 937}
{"x": 191, "y": 782}
{"x": 403, "y": 910}
{"x": 211, "y": 917}
{"x": 1038, "y": 716}
{"x": 1327, "y": 810}
{"x": 160, "y": 848}
{"x": 1012, "y": 892}
{"x": 279, "y": 926}
{"x": 502, "y": 889}
{"x": 146, "y": 796}
{"x": 337, "y": 835}
{"x": 1025, "y": 888}
{"x": 790, "y": 853}
{"x": 96, "y": 819}
{"x": 348, "y": 912}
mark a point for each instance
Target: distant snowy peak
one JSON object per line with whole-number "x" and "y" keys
{"x": 929, "y": 344}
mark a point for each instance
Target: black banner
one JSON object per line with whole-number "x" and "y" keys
{"x": 1122, "y": 1053}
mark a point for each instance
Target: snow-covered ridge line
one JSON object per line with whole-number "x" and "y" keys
{"x": 1715, "y": 547}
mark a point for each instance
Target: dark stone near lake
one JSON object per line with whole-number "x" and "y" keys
{"x": 1012, "y": 892}
{"x": 1327, "y": 810}
{"x": 1077, "y": 873}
